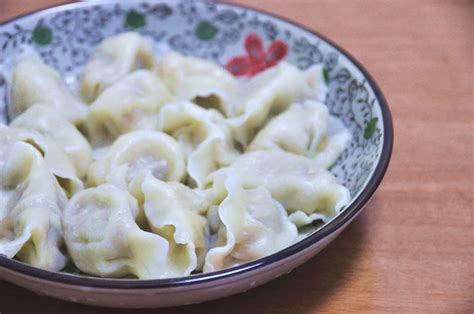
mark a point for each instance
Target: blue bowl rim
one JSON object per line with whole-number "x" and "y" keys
{"x": 345, "y": 216}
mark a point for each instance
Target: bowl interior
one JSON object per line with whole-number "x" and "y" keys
{"x": 66, "y": 36}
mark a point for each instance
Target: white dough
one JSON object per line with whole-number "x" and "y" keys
{"x": 253, "y": 225}
{"x": 114, "y": 58}
{"x": 297, "y": 182}
{"x": 104, "y": 240}
{"x": 48, "y": 123}
{"x": 195, "y": 79}
{"x": 173, "y": 211}
{"x": 31, "y": 202}
{"x": 35, "y": 82}
{"x": 305, "y": 129}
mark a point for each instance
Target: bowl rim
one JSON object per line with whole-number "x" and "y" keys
{"x": 340, "y": 220}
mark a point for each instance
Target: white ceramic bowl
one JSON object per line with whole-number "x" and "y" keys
{"x": 65, "y": 36}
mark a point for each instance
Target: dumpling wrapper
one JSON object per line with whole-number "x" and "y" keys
{"x": 129, "y": 104}
{"x": 304, "y": 129}
{"x": 253, "y": 225}
{"x": 103, "y": 239}
{"x": 173, "y": 211}
{"x": 35, "y": 82}
{"x": 47, "y": 122}
{"x": 297, "y": 182}
{"x": 132, "y": 157}
{"x": 55, "y": 158}
{"x": 31, "y": 202}
{"x": 198, "y": 80}
{"x": 203, "y": 136}
{"x": 271, "y": 92}
{"x": 113, "y": 59}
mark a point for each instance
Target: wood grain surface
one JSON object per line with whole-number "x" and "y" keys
{"x": 412, "y": 249}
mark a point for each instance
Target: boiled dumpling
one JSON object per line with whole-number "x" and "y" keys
{"x": 297, "y": 182}
{"x": 127, "y": 105}
{"x": 317, "y": 85}
{"x": 269, "y": 92}
{"x": 333, "y": 144}
{"x": 136, "y": 154}
{"x": 253, "y": 225}
{"x": 202, "y": 134}
{"x": 114, "y": 58}
{"x": 31, "y": 202}
{"x": 201, "y": 81}
{"x": 35, "y": 82}
{"x": 188, "y": 169}
{"x": 304, "y": 129}
{"x": 173, "y": 211}
{"x": 103, "y": 239}
{"x": 47, "y": 122}
{"x": 55, "y": 157}
{"x": 301, "y": 219}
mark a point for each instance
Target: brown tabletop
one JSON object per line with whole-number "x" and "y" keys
{"x": 412, "y": 249}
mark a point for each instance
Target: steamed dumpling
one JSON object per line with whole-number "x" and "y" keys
{"x": 103, "y": 239}
{"x": 35, "y": 82}
{"x": 253, "y": 225}
{"x": 305, "y": 129}
{"x": 114, "y": 58}
{"x": 188, "y": 169}
{"x": 198, "y": 80}
{"x": 173, "y": 211}
{"x": 54, "y": 156}
{"x": 127, "y": 105}
{"x": 203, "y": 136}
{"x": 31, "y": 202}
{"x": 297, "y": 182}
{"x": 136, "y": 154}
{"x": 48, "y": 123}
{"x": 270, "y": 92}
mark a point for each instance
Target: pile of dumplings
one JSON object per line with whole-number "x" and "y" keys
{"x": 158, "y": 168}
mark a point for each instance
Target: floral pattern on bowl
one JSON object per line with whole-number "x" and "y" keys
{"x": 246, "y": 42}
{"x": 257, "y": 58}
{"x": 214, "y": 32}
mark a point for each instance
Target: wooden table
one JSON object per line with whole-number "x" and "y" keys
{"x": 412, "y": 249}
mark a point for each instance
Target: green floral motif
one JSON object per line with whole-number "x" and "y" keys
{"x": 370, "y": 128}
{"x": 326, "y": 76}
{"x": 205, "y": 30}
{"x": 350, "y": 96}
{"x": 135, "y": 19}
{"x": 42, "y": 35}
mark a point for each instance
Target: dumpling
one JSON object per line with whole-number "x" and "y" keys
{"x": 127, "y": 105}
{"x": 47, "y": 122}
{"x": 297, "y": 182}
{"x": 35, "y": 82}
{"x": 55, "y": 157}
{"x": 136, "y": 154}
{"x": 269, "y": 92}
{"x": 301, "y": 219}
{"x": 31, "y": 202}
{"x": 114, "y": 58}
{"x": 103, "y": 239}
{"x": 304, "y": 129}
{"x": 173, "y": 211}
{"x": 317, "y": 85}
{"x": 202, "y": 134}
{"x": 253, "y": 225}
{"x": 198, "y": 80}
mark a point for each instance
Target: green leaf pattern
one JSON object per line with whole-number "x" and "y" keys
{"x": 205, "y": 30}
{"x": 135, "y": 19}
{"x": 370, "y": 128}
{"x": 42, "y": 35}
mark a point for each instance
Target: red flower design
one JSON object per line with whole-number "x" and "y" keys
{"x": 257, "y": 59}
